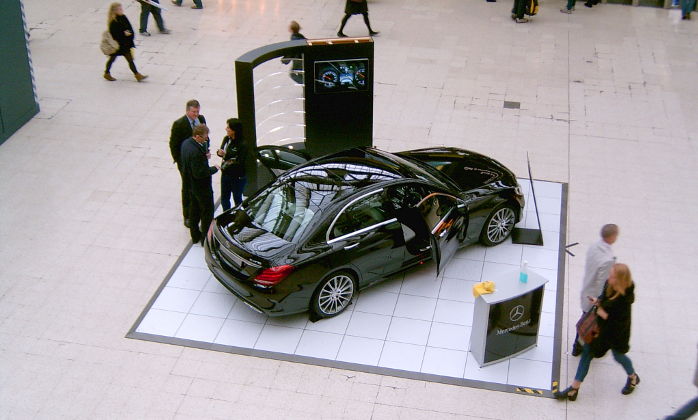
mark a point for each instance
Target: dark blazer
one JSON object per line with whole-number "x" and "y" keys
{"x": 197, "y": 173}
{"x": 117, "y": 29}
{"x": 356, "y": 8}
{"x": 181, "y": 130}
{"x": 615, "y": 331}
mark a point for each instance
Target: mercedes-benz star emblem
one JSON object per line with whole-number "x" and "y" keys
{"x": 516, "y": 313}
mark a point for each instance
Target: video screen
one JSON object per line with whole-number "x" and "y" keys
{"x": 341, "y": 75}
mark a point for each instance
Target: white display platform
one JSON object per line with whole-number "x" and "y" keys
{"x": 414, "y": 325}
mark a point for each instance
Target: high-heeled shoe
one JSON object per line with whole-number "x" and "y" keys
{"x": 570, "y": 393}
{"x": 629, "y": 385}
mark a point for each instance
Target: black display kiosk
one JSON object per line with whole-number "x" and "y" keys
{"x": 338, "y": 92}
{"x": 506, "y": 322}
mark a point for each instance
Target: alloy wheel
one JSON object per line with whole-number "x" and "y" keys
{"x": 501, "y": 224}
{"x": 335, "y": 294}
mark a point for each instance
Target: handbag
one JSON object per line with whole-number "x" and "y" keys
{"x": 588, "y": 326}
{"x": 108, "y": 45}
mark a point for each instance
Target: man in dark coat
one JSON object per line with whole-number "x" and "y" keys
{"x": 197, "y": 176}
{"x": 356, "y": 7}
{"x": 182, "y": 130}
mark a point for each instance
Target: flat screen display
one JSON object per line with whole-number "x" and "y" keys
{"x": 341, "y": 75}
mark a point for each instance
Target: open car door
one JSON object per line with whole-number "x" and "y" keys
{"x": 279, "y": 159}
{"x": 447, "y": 218}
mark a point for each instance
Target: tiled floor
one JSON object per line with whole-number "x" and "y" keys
{"x": 414, "y": 324}
{"x": 91, "y": 221}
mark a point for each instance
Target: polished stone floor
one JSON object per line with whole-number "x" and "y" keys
{"x": 91, "y": 219}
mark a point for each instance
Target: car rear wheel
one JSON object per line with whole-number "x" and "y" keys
{"x": 334, "y": 295}
{"x": 498, "y": 226}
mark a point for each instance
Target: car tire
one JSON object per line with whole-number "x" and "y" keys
{"x": 333, "y": 295}
{"x": 499, "y": 225}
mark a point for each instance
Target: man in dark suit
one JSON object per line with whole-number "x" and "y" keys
{"x": 197, "y": 176}
{"x": 182, "y": 130}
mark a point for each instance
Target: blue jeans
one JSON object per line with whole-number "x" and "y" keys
{"x": 586, "y": 358}
{"x": 146, "y": 10}
{"x": 232, "y": 185}
{"x": 687, "y": 7}
{"x": 686, "y": 411}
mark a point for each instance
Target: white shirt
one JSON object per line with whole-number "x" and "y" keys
{"x": 597, "y": 268}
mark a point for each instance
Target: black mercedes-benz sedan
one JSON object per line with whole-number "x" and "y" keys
{"x": 321, "y": 231}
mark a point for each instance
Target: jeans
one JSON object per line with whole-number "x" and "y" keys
{"x": 570, "y": 4}
{"x": 127, "y": 55}
{"x": 146, "y": 10}
{"x": 687, "y": 7}
{"x": 232, "y": 185}
{"x": 686, "y": 411}
{"x": 586, "y": 358}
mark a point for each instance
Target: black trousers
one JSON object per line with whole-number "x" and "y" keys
{"x": 519, "y": 8}
{"x": 346, "y": 18}
{"x": 127, "y": 55}
{"x": 185, "y": 193}
{"x": 200, "y": 214}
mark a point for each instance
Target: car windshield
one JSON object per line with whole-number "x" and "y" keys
{"x": 287, "y": 207}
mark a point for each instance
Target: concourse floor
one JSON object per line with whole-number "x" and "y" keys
{"x": 413, "y": 325}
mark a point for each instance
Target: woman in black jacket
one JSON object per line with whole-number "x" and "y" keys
{"x": 614, "y": 312}
{"x": 122, "y": 32}
{"x": 355, "y": 7}
{"x": 232, "y": 151}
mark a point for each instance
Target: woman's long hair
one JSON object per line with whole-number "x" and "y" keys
{"x": 623, "y": 281}
{"x": 111, "y": 15}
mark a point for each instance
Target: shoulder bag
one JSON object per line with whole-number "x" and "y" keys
{"x": 588, "y": 326}
{"x": 108, "y": 45}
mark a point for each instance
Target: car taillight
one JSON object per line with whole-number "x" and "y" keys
{"x": 273, "y": 275}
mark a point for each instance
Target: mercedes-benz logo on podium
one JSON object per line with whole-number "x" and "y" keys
{"x": 516, "y": 313}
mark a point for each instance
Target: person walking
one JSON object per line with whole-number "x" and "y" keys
{"x": 146, "y": 10}
{"x": 197, "y": 4}
{"x": 597, "y": 267}
{"x": 296, "y": 72}
{"x": 691, "y": 407}
{"x": 197, "y": 174}
{"x": 233, "y": 179}
{"x": 181, "y": 130}
{"x": 687, "y": 6}
{"x": 356, "y": 7}
{"x": 614, "y": 313}
{"x": 121, "y": 30}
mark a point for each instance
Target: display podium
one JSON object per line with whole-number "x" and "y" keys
{"x": 505, "y": 323}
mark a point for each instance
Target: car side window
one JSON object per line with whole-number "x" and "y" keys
{"x": 365, "y": 212}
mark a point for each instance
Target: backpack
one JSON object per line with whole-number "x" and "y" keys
{"x": 108, "y": 45}
{"x": 531, "y": 8}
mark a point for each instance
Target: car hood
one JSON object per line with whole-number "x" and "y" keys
{"x": 466, "y": 168}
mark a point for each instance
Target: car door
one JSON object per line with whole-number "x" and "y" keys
{"x": 366, "y": 235}
{"x": 446, "y": 217}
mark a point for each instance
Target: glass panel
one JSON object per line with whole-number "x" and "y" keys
{"x": 279, "y": 103}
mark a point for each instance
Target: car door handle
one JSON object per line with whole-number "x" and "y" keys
{"x": 443, "y": 232}
{"x": 351, "y": 246}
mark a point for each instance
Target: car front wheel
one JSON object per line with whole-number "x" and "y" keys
{"x": 498, "y": 226}
{"x": 333, "y": 295}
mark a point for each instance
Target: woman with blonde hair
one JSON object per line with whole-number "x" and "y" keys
{"x": 122, "y": 32}
{"x": 613, "y": 310}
